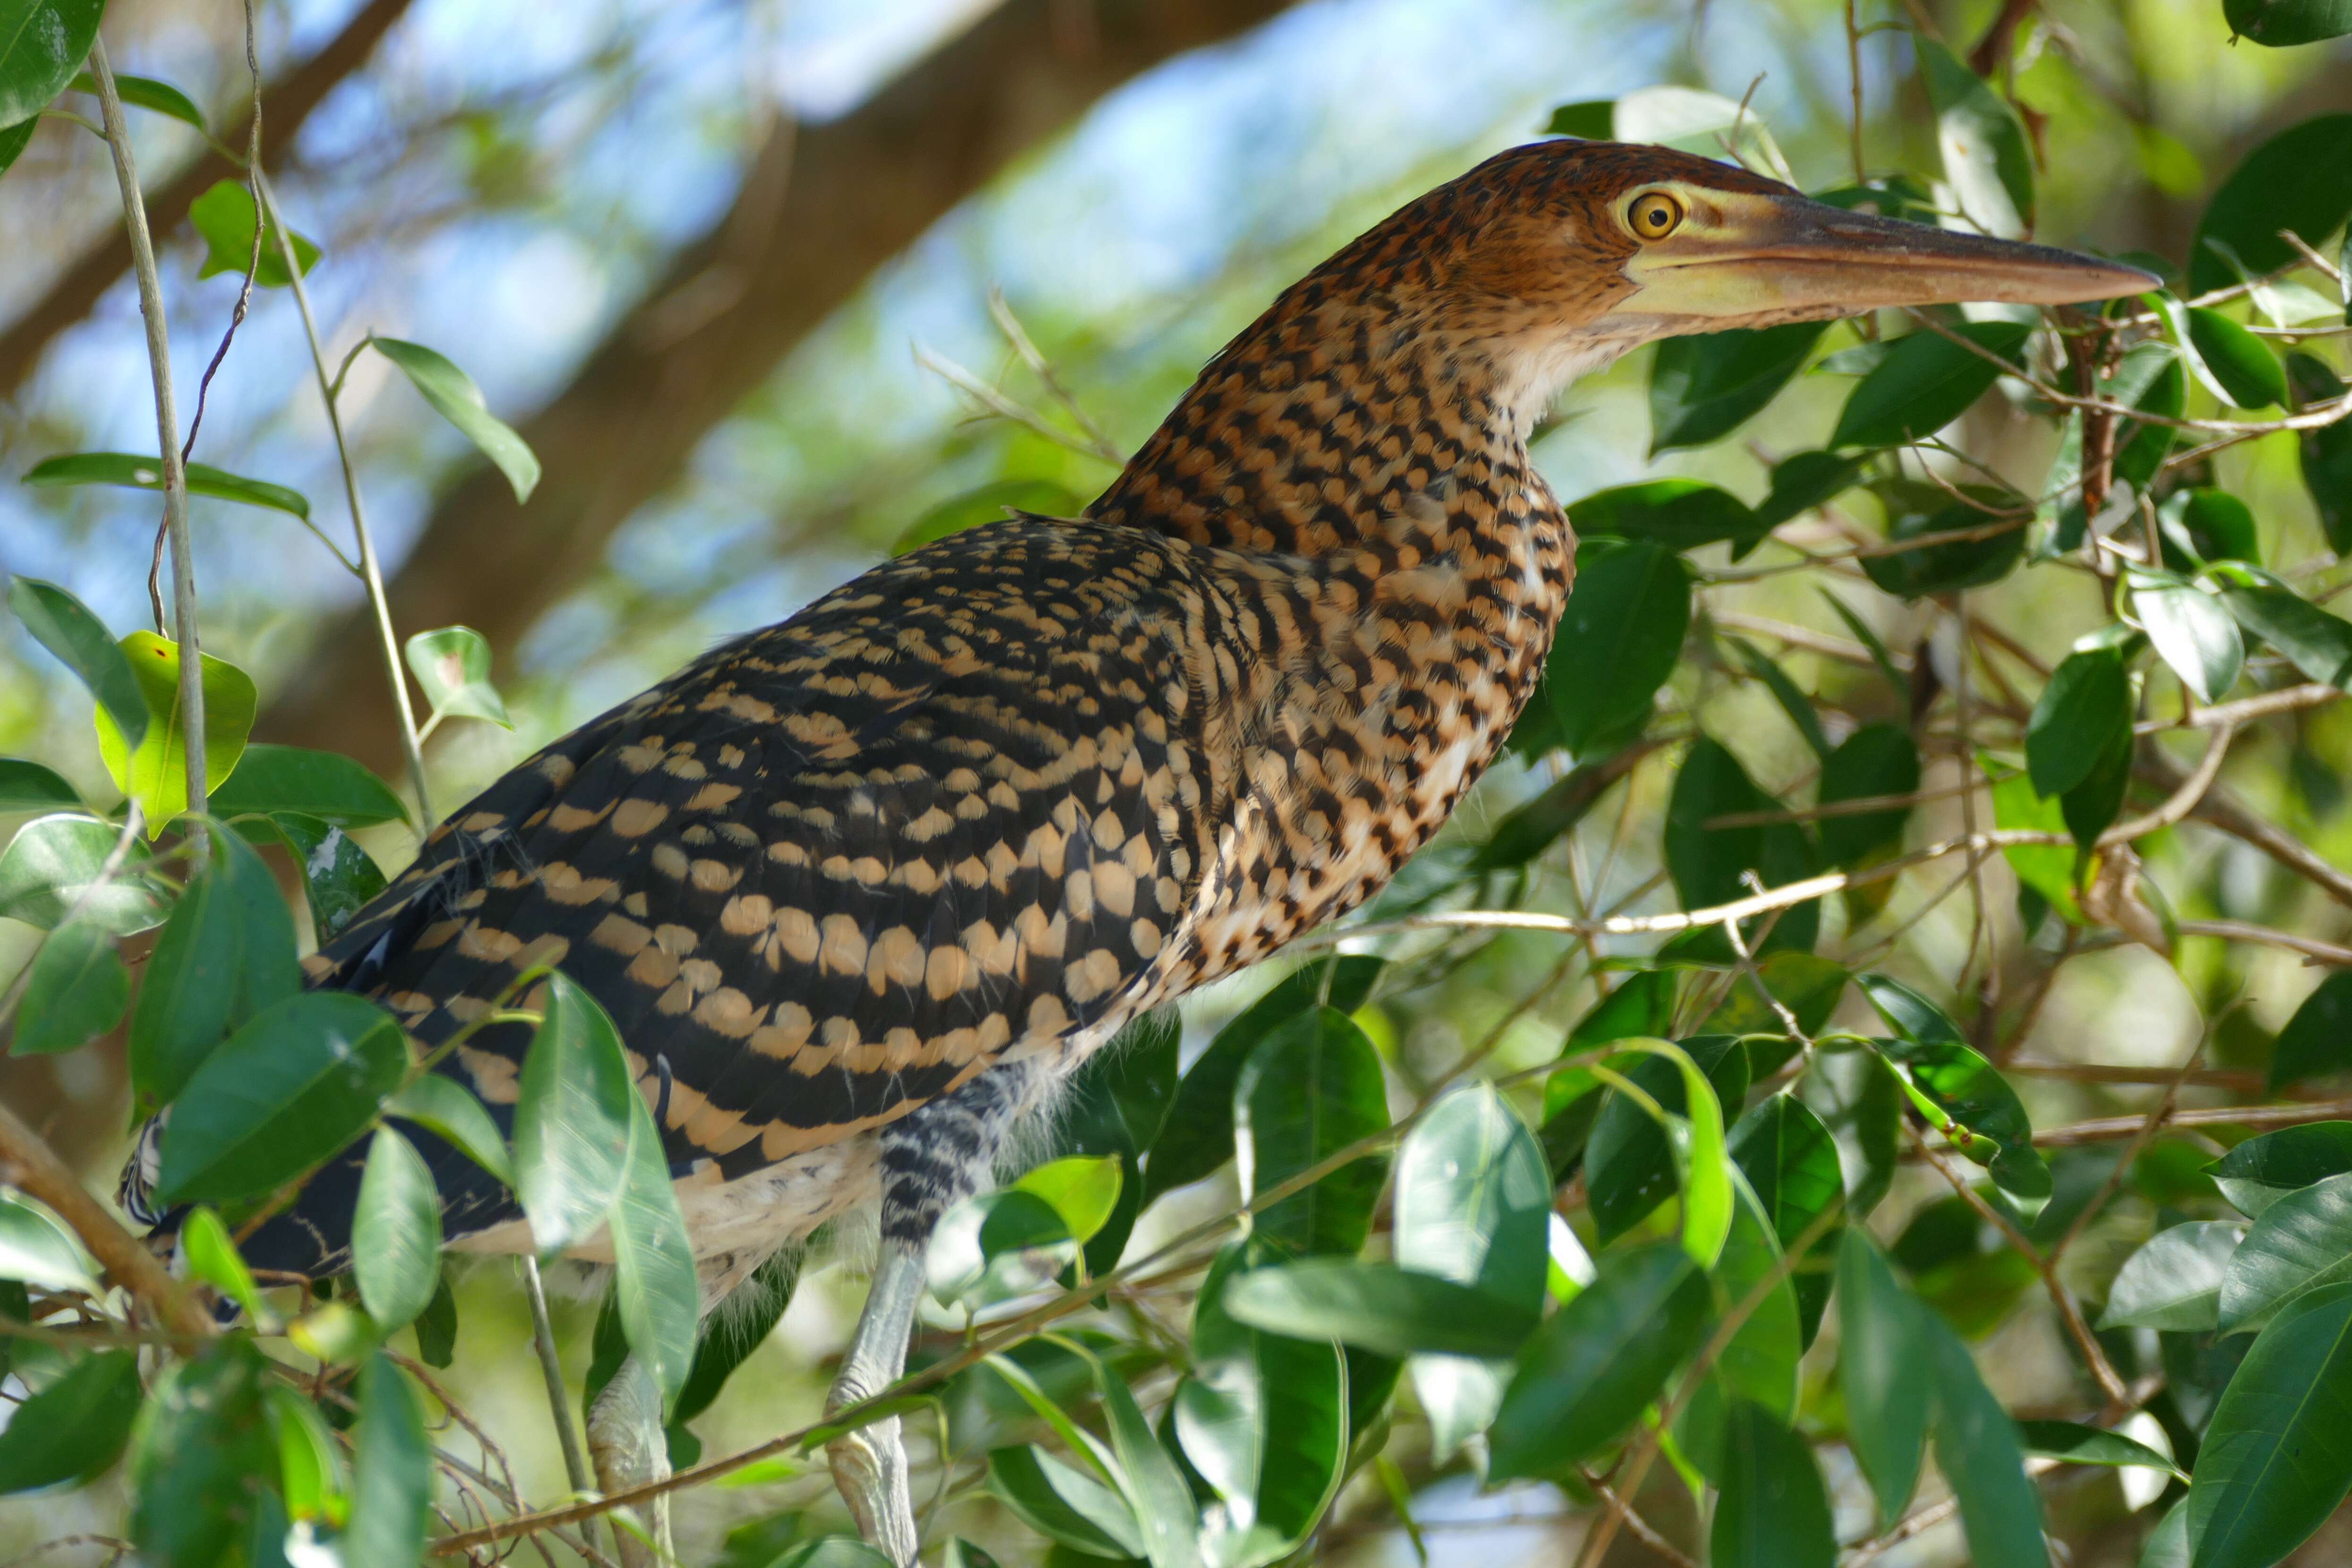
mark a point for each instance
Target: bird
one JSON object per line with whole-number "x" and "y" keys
{"x": 860, "y": 889}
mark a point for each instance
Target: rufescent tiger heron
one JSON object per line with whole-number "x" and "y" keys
{"x": 860, "y": 888}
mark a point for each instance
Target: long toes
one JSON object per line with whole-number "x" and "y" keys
{"x": 869, "y": 1467}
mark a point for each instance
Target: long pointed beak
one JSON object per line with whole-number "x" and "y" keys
{"x": 1788, "y": 258}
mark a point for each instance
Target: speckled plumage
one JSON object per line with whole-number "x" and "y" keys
{"x": 989, "y": 801}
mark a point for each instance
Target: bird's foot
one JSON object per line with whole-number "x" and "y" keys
{"x": 869, "y": 1467}
{"x": 628, "y": 1447}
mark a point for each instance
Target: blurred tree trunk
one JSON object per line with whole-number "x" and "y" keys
{"x": 286, "y": 106}
{"x": 861, "y": 189}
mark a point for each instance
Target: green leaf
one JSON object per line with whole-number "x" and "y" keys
{"x": 1791, "y": 1165}
{"x": 2206, "y": 524}
{"x": 1198, "y": 1135}
{"x": 2277, "y": 1458}
{"x": 1918, "y": 515}
{"x": 453, "y": 666}
{"x": 212, "y": 1258}
{"x": 1965, "y": 1095}
{"x": 572, "y": 1120}
{"x": 1875, "y": 759}
{"x": 154, "y": 772}
{"x": 1631, "y": 1164}
{"x": 848, "y": 1551}
{"x": 15, "y": 139}
{"x": 42, "y": 43}
{"x": 327, "y": 785}
{"x": 2301, "y": 179}
{"x": 2317, "y": 643}
{"x": 727, "y": 1338}
{"x": 660, "y": 1296}
{"x": 1807, "y": 985}
{"x": 64, "y": 625}
{"x": 2282, "y": 22}
{"x": 391, "y": 1473}
{"x": 1115, "y": 1105}
{"x": 454, "y": 396}
{"x": 309, "y": 1476}
{"x": 1381, "y": 1307}
{"x": 1597, "y": 1362}
{"x": 38, "y": 1248}
{"x": 77, "y": 991}
{"x": 2248, "y": 374}
{"x": 1083, "y": 1189}
{"x": 202, "y": 1454}
{"x": 1709, "y": 865}
{"x": 2327, "y": 452}
{"x": 396, "y": 1233}
{"x": 147, "y": 93}
{"x": 2303, "y": 1240}
{"x": 1925, "y": 383}
{"x": 1759, "y": 1362}
{"x": 1064, "y": 1504}
{"x": 2149, "y": 379}
{"x": 1793, "y": 701}
{"x": 994, "y": 1247}
{"x": 2191, "y": 632}
{"x": 1536, "y": 827}
{"x": 2317, "y": 1041}
{"x": 1617, "y": 643}
{"x": 1309, "y": 1090}
{"x": 1976, "y": 1449}
{"x": 992, "y": 502}
{"x": 2086, "y": 706}
{"x": 75, "y": 1428}
{"x": 1681, "y": 514}
{"x": 1803, "y": 481}
{"x": 444, "y": 1106}
{"x": 2080, "y": 1445}
{"x": 289, "y": 1088}
{"x": 437, "y": 1328}
{"x": 2175, "y": 1281}
{"x": 1883, "y": 1364}
{"x": 1156, "y": 1491}
{"x": 339, "y": 879}
{"x": 1986, "y": 159}
{"x": 2260, "y": 1170}
{"x": 1773, "y": 1513}
{"x": 51, "y": 868}
{"x": 224, "y": 217}
{"x": 138, "y": 473}
{"x": 225, "y": 956}
{"x": 28, "y": 786}
{"x": 1704, "y": 386}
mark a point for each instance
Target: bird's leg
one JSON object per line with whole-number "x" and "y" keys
{"x": 628, "y": 1447}
{"x": 932, "y": 1161}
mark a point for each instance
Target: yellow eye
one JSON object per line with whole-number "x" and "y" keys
{"x": 1655, "y": 215}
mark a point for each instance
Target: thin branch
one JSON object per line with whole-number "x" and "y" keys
{"x": 2183, "y": 799}
{"x": 2244, "y": 930}
{"x": 1004, "y": 407}
{"x": 2222, "y": 715}
{"x": 551, "y": 1372}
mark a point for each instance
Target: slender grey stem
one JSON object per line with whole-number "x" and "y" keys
{"x": 371, "y": 570}
{"x": 167, "y": 427}
{"x": 559, "y": 1403}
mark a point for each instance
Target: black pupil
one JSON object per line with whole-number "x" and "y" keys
{"x": 1654, "y": 215}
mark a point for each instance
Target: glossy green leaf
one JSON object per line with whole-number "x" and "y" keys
{"x": 1530, "y": 829}
{"x": 1597, "y": 1362}
{"x": 1791, "y": 1165}
{"x": 1157, "y": 1495}
{"x": 1617, "y": 643}
{"x": 1792, "y": 701}
{"x": 991, "y": 502}
{"x": 64, "y": 625}
{"x": 1988, "y": 161}
{"x": 1877, "y": 760}
{"x": 2151, "y": 380}
{"x": 1084, "y": 1190}
{"x": 2301, "y": 179}
{"x": 339, "y": 878}
{"x": 660, "y": 1296}
{"x": 2174, "y": 1281}
{"x": 1710, "y": 864}
{"x": 997, "y": 1245}
{"x": 2247, "y": 372}
{"x": 2300, "y": 1241}
{"x": 396, "y": 1233}
{"x": 454, "y": 396}
{"x": 1803, "y": 481}
{"x": 1381, "y": 1307}
{"x": 2277, "y": 1458}
{"x": 310, "y": 1475}
{"x": 51, "y": 868}
{"x": 2260, "y": 1170}
{"x": 136, "y": 472}
{"x": 42, "y": 43}
{"x": 287, "y": 1089}
{"x": 202, "y": 1452}
{"x": 2168, "y": 1543}
{"x": 453, "y": 667}
{"x": 2316, "y": 642}
{"x": 1704, "y": 386}
{"x": 28, "y": 786}
{"x": 77, "y": 991}
{"x": 15, "y": 139}
{"x": 38, "y": 1248}
{"x": 1198, "y": 1136}
{"x": 2191, "y": 631}
{"x": 1967, "y": 1097}
{"x": 226, "y": 955}
{"x": 1885, "y": 1368}
{"x": 1115, "y": 1106}
{"x": 1681, "y": 514}
{"x": 1926, "y": 382}
{"x": 155, "y": 773}
{"x": 1759, "y": 1362}
{"x": 1681, "y": 116}
{"x": 323, "y": 784}
{"x": 848, "y": 1551}
{"x": 212, "y": 1258}
{"x": 437, "y": 1328}
{"x": 1989, "y": 547}
{"x": 572, "y": 1120}
{"x": 2080, "y": 1445}
{"x": 443, "y": 1105}
{"x": 2327, "y": 452}
{"x": 391, "y": 1473}
{"x": 1807, "y": 984}
{"x": 2206, "y": 524}
{"x": 76, "y": 1427}
{"x": 224, "y": 217}
{"x": 1773, "y": 1513}
{"x": 1633, "y": 1163}
{"x": 2283, "y": 23}
{"x": 2081, "y": 711}
{"x": 1064, "y": 1504}
{"x": 148, "y": 93}
{"x": 1309, "y": 1090}
{"x": 2317, "y": 1041}
{"x": 1976, "y": 1449}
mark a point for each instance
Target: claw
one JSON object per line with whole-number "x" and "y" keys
{"x": 628, "y": 1448}
{"x": 869, "y": 1466}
